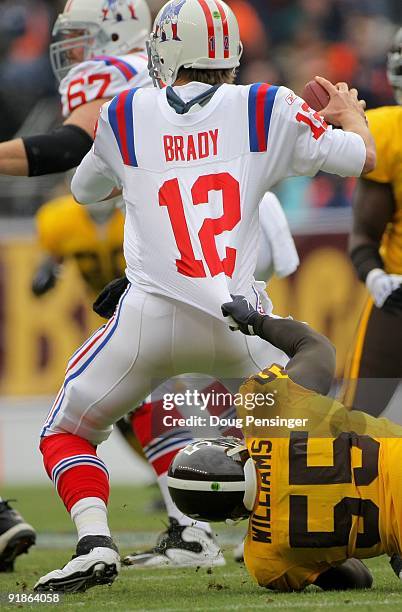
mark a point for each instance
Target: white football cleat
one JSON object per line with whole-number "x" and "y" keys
{"x": 179, "y": 546}
{"x": 97, "y": 561}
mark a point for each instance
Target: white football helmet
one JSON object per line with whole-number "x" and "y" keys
{"x": 98, "y": 27}
{"x": 200, "y": 34}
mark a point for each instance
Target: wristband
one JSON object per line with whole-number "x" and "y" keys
{"x": 59, "y": 151}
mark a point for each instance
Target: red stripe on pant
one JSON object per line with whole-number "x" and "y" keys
{"x": 79, "y": 481}
{"x": 88, "y": 347}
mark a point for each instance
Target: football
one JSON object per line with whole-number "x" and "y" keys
{"x": 315, "y": 95}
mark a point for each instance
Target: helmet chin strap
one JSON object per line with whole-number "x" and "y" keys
{"x": 153, "y": 73}
{"x": 250, "y": 493}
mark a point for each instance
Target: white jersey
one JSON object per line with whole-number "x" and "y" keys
{"x": 103, "y": 77}
{"x": 192, "y": 183}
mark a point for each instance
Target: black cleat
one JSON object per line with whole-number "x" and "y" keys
{"x": 16, "y": 536}
{"x": 179, "y": 546}
{"x": 396, "y": 564}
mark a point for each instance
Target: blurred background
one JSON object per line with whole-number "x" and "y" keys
{"x": 286, "y": 42}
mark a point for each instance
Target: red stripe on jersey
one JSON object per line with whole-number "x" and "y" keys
{"x": 128, "y": 73}
{"x": 69, "y": 3}
{"x": 225, "y": 29}
{"x": 210, "y": 26}
{"x": 259, "y": 112}
{"x": 121, "y": 124}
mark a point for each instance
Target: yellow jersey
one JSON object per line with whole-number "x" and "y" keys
{"x": 328, "y": 483}
{"x": 66, "y": 230}
{"x": 386, "y": 126}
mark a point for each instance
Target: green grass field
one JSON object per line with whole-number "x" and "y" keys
{"x": 134, "y": 524}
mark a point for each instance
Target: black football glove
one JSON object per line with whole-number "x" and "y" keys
{"x": 106, "y": 302}
{"x": 45, "y": 277}
{"x": 393, "y": 303}
{"x": 241, "y": 315}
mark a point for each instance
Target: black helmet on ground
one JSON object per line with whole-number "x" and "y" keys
{"x": 213, "y": 480}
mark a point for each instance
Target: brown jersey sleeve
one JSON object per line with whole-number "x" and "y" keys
{"x": 312, "y": 356}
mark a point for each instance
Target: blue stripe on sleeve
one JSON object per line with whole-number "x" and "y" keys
{"x": 269, "y": 104}
{"x": 252, "y": 124}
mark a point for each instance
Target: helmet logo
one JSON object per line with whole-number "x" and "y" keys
{"x": 192, "y": 448}
{"x": 113, "y": 9}
{"x": 170, "y": 15}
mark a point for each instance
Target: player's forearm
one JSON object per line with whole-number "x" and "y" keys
{"x": 13, "y": 158}
{"x": 365, "y": 256}
{"x": 89, "y": 184}
{"x": 353, "y": 122}
{"x": 312, "y": 356}
{"x": 58, "y": 151}
{"x": 373, "y": 209}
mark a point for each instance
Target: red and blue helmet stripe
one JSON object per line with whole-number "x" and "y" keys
{"x": 121, "y": 119}
{"x": 261, "y": 99}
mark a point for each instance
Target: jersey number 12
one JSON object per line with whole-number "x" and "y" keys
{"x": 170, "y": 196}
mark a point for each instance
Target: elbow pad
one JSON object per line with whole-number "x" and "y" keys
{"x": 59, "y": 151}
{"x": 364, "y": 259}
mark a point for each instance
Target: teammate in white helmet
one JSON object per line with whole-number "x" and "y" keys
{"x": 101, "y": 52}
{"x": 193, "y": 162}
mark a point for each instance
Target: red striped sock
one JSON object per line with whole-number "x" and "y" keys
{"x": 75, "y": 469}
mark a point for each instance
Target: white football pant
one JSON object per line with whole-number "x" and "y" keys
{"x": 149, "y": 339}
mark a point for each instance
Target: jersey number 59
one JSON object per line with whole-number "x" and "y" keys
{"x": 300, "y": 473}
